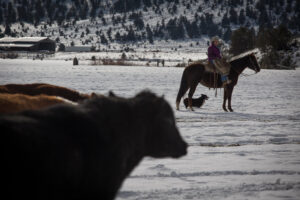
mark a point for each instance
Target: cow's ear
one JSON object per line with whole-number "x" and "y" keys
{"x": 111, "y": 94}
{"x": 93, "y": 95}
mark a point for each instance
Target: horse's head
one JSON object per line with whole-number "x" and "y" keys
{"x": 253, "y": 63}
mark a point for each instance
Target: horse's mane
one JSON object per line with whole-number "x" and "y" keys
{"x": 242, "y": 55}
{"x": 196, "y": 64}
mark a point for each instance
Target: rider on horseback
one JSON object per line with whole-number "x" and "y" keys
{"x": 214, "y": 58}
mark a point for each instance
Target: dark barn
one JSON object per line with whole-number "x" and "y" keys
{"x": 29, "y": 44}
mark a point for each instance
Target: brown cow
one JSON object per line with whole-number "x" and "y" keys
{"x": 68, "y": 152}
{"x": 43, "y": 88}
{"x": 11, "y": 103}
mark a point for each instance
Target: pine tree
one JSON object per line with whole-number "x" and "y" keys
{"x": 11, "y": 14}
{"x": 118, "y": 37}
{"x": 103, "y": 39}
{"x": 39, "y": 11}
{"x": 139, "y": 23}
{"x": 149, "y": 34}
{"x": 7, "y": 30}
{"x": 263, "y": 18}
{"x": 109, "y": 34}
{"x": 227, "y": 34}
{"x": 130, "y": 35}
{"x": 241, "y": 40}
{"x": 203, "y": 26}
{"x": 242, "y": 17}
{"x": 171, "y": 28}
{"x": 147, "y": 3}
{"x": 225, "y": 21}
{"x": 1, "y": 17}
{"x": 233, "y": 16}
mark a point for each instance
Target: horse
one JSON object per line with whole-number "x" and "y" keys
{"x": 44, "y": 88}
{"x": 195, "y": 73}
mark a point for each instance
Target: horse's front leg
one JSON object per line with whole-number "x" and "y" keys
{"x": 190, "y": 95}
{"x": 229, "y": 93}
{"x": 224, "y": 99}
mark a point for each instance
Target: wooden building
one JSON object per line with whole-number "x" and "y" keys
{"x": 27, "y": 44}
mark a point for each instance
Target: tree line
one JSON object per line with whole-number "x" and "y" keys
{"x": 176, "y": 27}
{"x": 275, "y": 43}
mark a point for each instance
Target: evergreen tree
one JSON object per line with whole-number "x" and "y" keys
{"x": 147, "y": 3}
{"x": 118, "y": 37}
{"x": 203, "y": 26}
{"x": 171, "y": 28}
{"x": 227, "y": 34}
{"x": 192, "y": 29}
{"x": 103, "y": 39}
{"x": 109, "y": 34}
{"x": 242, "y": 17}
{"x": 263, "y": 18}
{"x": 1, "y": 17}
{"x": 225, "y": 21}
{"x": 139, "y": 23}
{"x": 149, "y": 34}
{"x": 130, "y": 35}
{"x": 93, "y": 13}
{"x": 241, "y": 40}
{"x": 233, "y": 16}
{"x": 7, "y": 30}
{"x": 71, "y": 13}
{"x": 61, "y": 47}
{"x": 11, "y": 14}
{"x": 180, "y": 30}
{"x": 39, "y": 11}
{"x": 87, "y": 31}
{"x": 174, "y": 9}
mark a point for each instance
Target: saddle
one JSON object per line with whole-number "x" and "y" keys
{"x": 209, "y": 67}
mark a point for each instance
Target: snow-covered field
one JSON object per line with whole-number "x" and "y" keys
{"x": 252, "y": 153}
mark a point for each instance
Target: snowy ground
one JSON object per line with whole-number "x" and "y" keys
{"x": 253, "y": 153}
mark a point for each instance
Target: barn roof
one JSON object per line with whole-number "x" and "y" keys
{"x": 22, "y": 39}
{"x": 17, "y": 45}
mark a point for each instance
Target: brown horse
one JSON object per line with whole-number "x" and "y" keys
{"x": 44, "y": 88}
{"x": 195, "y": 73}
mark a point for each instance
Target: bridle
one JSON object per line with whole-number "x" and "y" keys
{"x": 252, "y": 65}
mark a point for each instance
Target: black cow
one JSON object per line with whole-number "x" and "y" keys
{"x": 84, "y": 151}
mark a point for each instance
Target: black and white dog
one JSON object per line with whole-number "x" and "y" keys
{"x": 196, "y": 102}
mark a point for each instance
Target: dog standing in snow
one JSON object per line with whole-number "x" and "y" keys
{"x": 196, "y": 102}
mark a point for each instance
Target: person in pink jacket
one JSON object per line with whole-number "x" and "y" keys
{"x": 214, "y": 57}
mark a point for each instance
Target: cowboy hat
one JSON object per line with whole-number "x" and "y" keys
{"x": 215, "y": 38}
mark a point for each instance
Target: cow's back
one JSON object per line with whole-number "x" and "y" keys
{"x": 57, "y": 153}
{"x": 11, "y": 103}
{"x": 43, "y": 88}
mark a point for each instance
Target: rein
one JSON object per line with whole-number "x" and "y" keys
{"x": 246, "y": 75}
{"x": 253, "y": 65}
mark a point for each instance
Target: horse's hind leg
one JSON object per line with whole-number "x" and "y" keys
{"x": 182, "y": 90}
{"x": 229, "y": 99}
{"x": 225, "y": 98}
{"x": 190, "y": 95}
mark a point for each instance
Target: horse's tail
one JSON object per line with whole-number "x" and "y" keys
{"x": 183, "y": 87}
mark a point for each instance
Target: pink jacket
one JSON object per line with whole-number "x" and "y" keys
{"x": 213, "y": 52}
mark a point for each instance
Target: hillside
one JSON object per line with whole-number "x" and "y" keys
{"x": 103, "y": 23}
